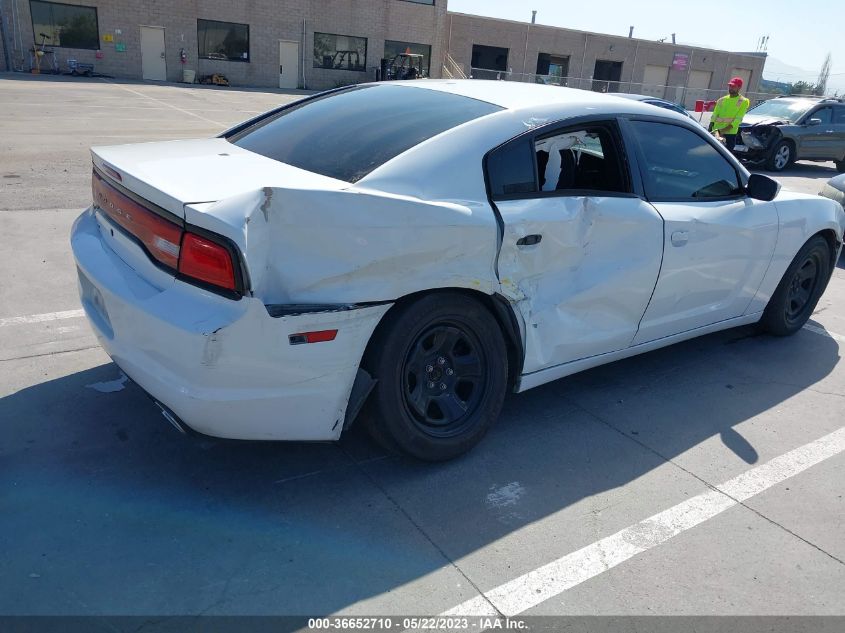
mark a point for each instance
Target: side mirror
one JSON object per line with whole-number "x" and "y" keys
{"x": 762, "y": 187}
{"x": 812, "y": 122}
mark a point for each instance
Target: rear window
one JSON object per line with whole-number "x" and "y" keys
{"x": 347, "y": 134}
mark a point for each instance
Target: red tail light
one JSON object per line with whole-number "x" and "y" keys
{"x": 168, "y": 241}
{"x": 206, "y": 261}
{"x": 159, "y": 236}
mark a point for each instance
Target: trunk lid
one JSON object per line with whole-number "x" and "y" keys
{"x": 171, "y": 174}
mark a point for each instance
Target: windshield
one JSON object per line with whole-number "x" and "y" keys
{"x": 347, "y": 134}
{"x": 782, "y": 109}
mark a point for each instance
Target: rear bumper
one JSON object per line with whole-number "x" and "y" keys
{"x": 225, "y": 368}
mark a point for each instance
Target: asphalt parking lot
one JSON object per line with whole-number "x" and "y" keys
{"x": 609, "y": 492}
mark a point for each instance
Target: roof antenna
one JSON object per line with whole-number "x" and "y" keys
{"x": 631, "y": 32}
{"x": 673, "y": 38}
{"x": 533, "y": 17}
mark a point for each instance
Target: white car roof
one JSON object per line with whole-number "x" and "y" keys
{"x": 515, "y": 95}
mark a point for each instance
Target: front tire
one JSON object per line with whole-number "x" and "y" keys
{"x": 840, "y": 166}
{"x": 442, "y": 370}
{"x": 781, "y": 157}
{"x": 799, "y": 290}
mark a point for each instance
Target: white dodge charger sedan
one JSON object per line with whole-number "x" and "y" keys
{"x": 405, "y": 253}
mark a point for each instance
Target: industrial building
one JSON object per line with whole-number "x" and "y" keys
{"x": 318, "y": 45}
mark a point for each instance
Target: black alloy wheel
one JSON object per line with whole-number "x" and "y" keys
{"x": 441, "y": 366}
{"x": 799, "y": 289}
{"x": 802, "y": 287}
{"x": 444, "y": 379}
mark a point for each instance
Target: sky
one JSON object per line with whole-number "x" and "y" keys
{"x": 800, "y": 36}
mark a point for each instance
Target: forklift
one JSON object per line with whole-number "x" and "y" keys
{"x": 404, "y": 66}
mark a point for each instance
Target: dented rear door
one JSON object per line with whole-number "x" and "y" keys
{"x": 580, "y": 269}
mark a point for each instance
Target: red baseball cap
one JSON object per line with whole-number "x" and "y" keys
{"x": 735, "y": 81}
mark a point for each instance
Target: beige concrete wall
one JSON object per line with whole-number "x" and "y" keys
{"x": 269, "y": 21}
{"x": 377, "y": 20}
{"x": 526, "y": 41}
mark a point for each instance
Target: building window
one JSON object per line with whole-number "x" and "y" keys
{"x": 341, "y": 52}
{"x": 552, "y": 69}
{"x": 489, "y": 62}
{"x": 393, "y": 48}
{"x": 65, "y": 25}
{"x": 223, "y": 40}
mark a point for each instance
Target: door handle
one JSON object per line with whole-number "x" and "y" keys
{"x": 529, "y": 240}
{"x": 679, "y": 238}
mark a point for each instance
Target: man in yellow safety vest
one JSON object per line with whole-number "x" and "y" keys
{"x": 729, "y": 112}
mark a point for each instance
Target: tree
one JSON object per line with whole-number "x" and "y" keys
{"x": 802, "y": 88}
{"x": 824, "y": 75}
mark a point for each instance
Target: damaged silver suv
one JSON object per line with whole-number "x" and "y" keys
{"x": 782, "y": 130}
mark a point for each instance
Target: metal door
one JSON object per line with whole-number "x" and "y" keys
{"x": 288, "y": 64}
{"x": 153, "y": 62}
{"x": 655, "y": 80}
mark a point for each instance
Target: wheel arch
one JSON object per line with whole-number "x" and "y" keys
{"x": 833, "y": 243}
{"x": 497, "y": 305}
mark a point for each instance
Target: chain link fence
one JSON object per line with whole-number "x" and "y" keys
{"x": 683, "y": 95}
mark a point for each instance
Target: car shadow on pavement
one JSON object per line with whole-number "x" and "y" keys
{"x": 111, "y": 511}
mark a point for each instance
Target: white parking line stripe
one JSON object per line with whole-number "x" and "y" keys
{"x": 41, "y": 318}
{"x": 548, "y": 581}
{"x": 169, "y": 105}
{"x": 818, "y": 330}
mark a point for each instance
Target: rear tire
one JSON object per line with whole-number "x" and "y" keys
{"x": 782, "y": 156}
{"x": 799, "y": 291}
{"x": 442, "y": 370}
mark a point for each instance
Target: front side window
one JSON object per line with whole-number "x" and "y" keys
{"x": 839, "y": 115}
{"x": 340, "y": 52}
{"x": 678, "y": 164}
{"x": 64, "y": 25}
{"x": 349, "y": 133}
{"x": 823, "y": 114}
{"x": 225, "y": 41}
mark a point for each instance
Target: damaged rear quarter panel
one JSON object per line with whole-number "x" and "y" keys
{"x": 353, "y": 245}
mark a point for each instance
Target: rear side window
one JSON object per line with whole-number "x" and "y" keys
{"x": 568, "y": 161}
{"x": 579, "y": 159}
{"x": 680, "y": 165}
{"x": 348, "y": 134}
{"x": 510, "y": 169}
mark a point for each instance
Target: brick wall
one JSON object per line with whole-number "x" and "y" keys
{"x": 269, "y": 21}
{"x": 273, "y": 20}
{"x": 526, "y": 41}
